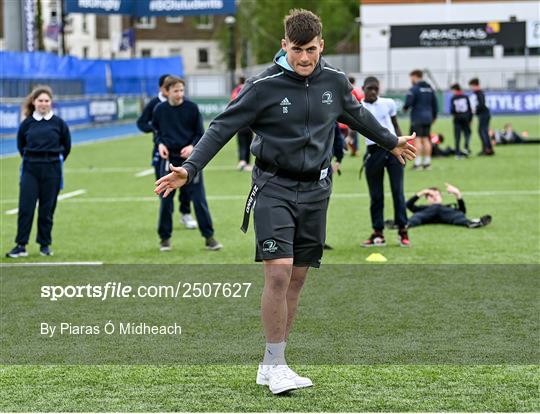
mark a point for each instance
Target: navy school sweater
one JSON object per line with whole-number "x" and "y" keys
{"x": 44, "y": 139}
{"x": 177, "y": 126}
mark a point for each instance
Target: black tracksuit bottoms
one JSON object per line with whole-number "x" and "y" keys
{"x": 483, "y": 131}
{"x": 462, "y": 125}
{"x": 184, "y": 200}
{"x": 376, "y": 161}
{"x": 196, "y": 193}
{"x": 438, "y": 213}
{"x": 40, "y": 181}
{"x": 245, "y": 136}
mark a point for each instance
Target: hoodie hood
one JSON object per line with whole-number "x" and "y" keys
{"x": 280, "y": 59}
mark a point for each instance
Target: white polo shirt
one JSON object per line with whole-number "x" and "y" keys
{"x": 382, "y": 109}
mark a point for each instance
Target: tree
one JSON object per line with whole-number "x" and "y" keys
{"x": 259, "y": 27}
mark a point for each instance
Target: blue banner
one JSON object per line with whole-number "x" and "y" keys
{"x": 151, "y": 7}
{"x": 103, "y": 110}
{"x": 505, "y": 102}
{"x": 73, "y": 112}
{"x": 184, "y": 7}
{"x": 9, "y": 118}
{"x": 99, "y": 6}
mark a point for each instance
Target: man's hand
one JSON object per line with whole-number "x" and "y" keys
{"x": 404, "y": 149}
{"x": 453, "y": 190}
{"x": 335, "y": 167}
{"x": 170, "y": 182}
{"x": 163, "y": 151}
{"x": 186, "y": 151}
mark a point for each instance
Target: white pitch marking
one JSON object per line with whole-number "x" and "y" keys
{"x": 130, "y": 199}
{"x": 60, "y": 198}
{"x": 51, "y": 264}
{"x": 144, "y": 173}
{"x": 71, "y": 194}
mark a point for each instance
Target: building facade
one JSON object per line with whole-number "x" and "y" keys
{"x": 498, "y": 66}
{"x": 93, "y": 36}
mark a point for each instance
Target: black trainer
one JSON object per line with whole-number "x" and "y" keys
{"x": 213, "y": 244}
{"x": 375, "y": 240}
{"x": 17, "y": 251}
{"x": 45, "y": 251}
{"x": 165, "y": 245}
{"x": 481, "y": 222}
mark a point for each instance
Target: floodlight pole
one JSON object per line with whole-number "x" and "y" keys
{"x": 230, "y": 21}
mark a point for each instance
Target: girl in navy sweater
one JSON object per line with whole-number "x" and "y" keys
{"x": 44, "y": 141}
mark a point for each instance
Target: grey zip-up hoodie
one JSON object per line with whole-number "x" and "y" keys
{"x": 293, "y": 118}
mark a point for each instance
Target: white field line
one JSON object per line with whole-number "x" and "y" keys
{"x": 60, "y": 198}
{"x": 71, "y": 194}
{"x": 51, "y": 264}
{"x": 144, "y": 173}
{"x": 131, "y": 199}
{"x": 129, "y": 170}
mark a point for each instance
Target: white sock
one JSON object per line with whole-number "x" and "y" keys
{"x": 418, "y": 160}
{"x": 274, "y": 353}
{"x": 427, "y": 160}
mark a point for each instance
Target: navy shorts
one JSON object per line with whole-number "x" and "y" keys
{"x": 422, "y": 130}
{"x": 285, "y": 229}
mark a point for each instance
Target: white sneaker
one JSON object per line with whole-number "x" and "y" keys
{"x": 264, "y": 377}
{"x": 188, "y": 221}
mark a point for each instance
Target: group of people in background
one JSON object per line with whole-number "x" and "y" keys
{"x": 176, "y": 125}
{"x": 462, "y": 113}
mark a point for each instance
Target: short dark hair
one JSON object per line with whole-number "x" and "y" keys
{"x": 435, "y": 189}
{"x": 352, "y": 79}
{"x": 171, "y": 81}
{"x": 474, "y": 81}
{"x": 455, "y": 87}
{"x": 371, "y": 79}
{"x": 302, "y": 26}
{"x": 242, "y": 79}
{"x": 417, "y": 72}
{"x": 162, "y": 79}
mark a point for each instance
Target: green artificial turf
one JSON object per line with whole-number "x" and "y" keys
{"x": 115, "y": 222}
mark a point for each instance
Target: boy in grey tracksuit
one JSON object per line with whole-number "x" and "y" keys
{"x": 292, "y": 108}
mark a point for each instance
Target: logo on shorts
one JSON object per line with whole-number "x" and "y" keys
{"x": 269, "y": 246}
{"x": 327, "y": 98}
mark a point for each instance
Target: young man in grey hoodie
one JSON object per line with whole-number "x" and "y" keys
{"x": 292, "y": 107}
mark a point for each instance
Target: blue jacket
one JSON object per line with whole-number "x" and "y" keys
{"x": 421, "y": 98}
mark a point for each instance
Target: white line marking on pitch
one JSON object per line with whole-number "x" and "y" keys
{"x": 144, "y": 173}
{"x": 130, "y": 199}
{"x": 71, "y": 194}
{"x": 51, "y": 264}
{"x": 60, "y": 198}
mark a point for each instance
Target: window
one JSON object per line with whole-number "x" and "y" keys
{"x": 481, "y": 51}
{"x": 85, "y": 52}
{"x": 84, "y": 23}
{"x": 203, "y": 56}
{"x": 205, "y": 21}
{"x": 514, "y": 51}
{"x": 145, "y": 22}
{"x": 534, "y": 51}
{"x": 174, "y": 19}
{"x": 146, "y": 52}
{"x": 176, "y": 51}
